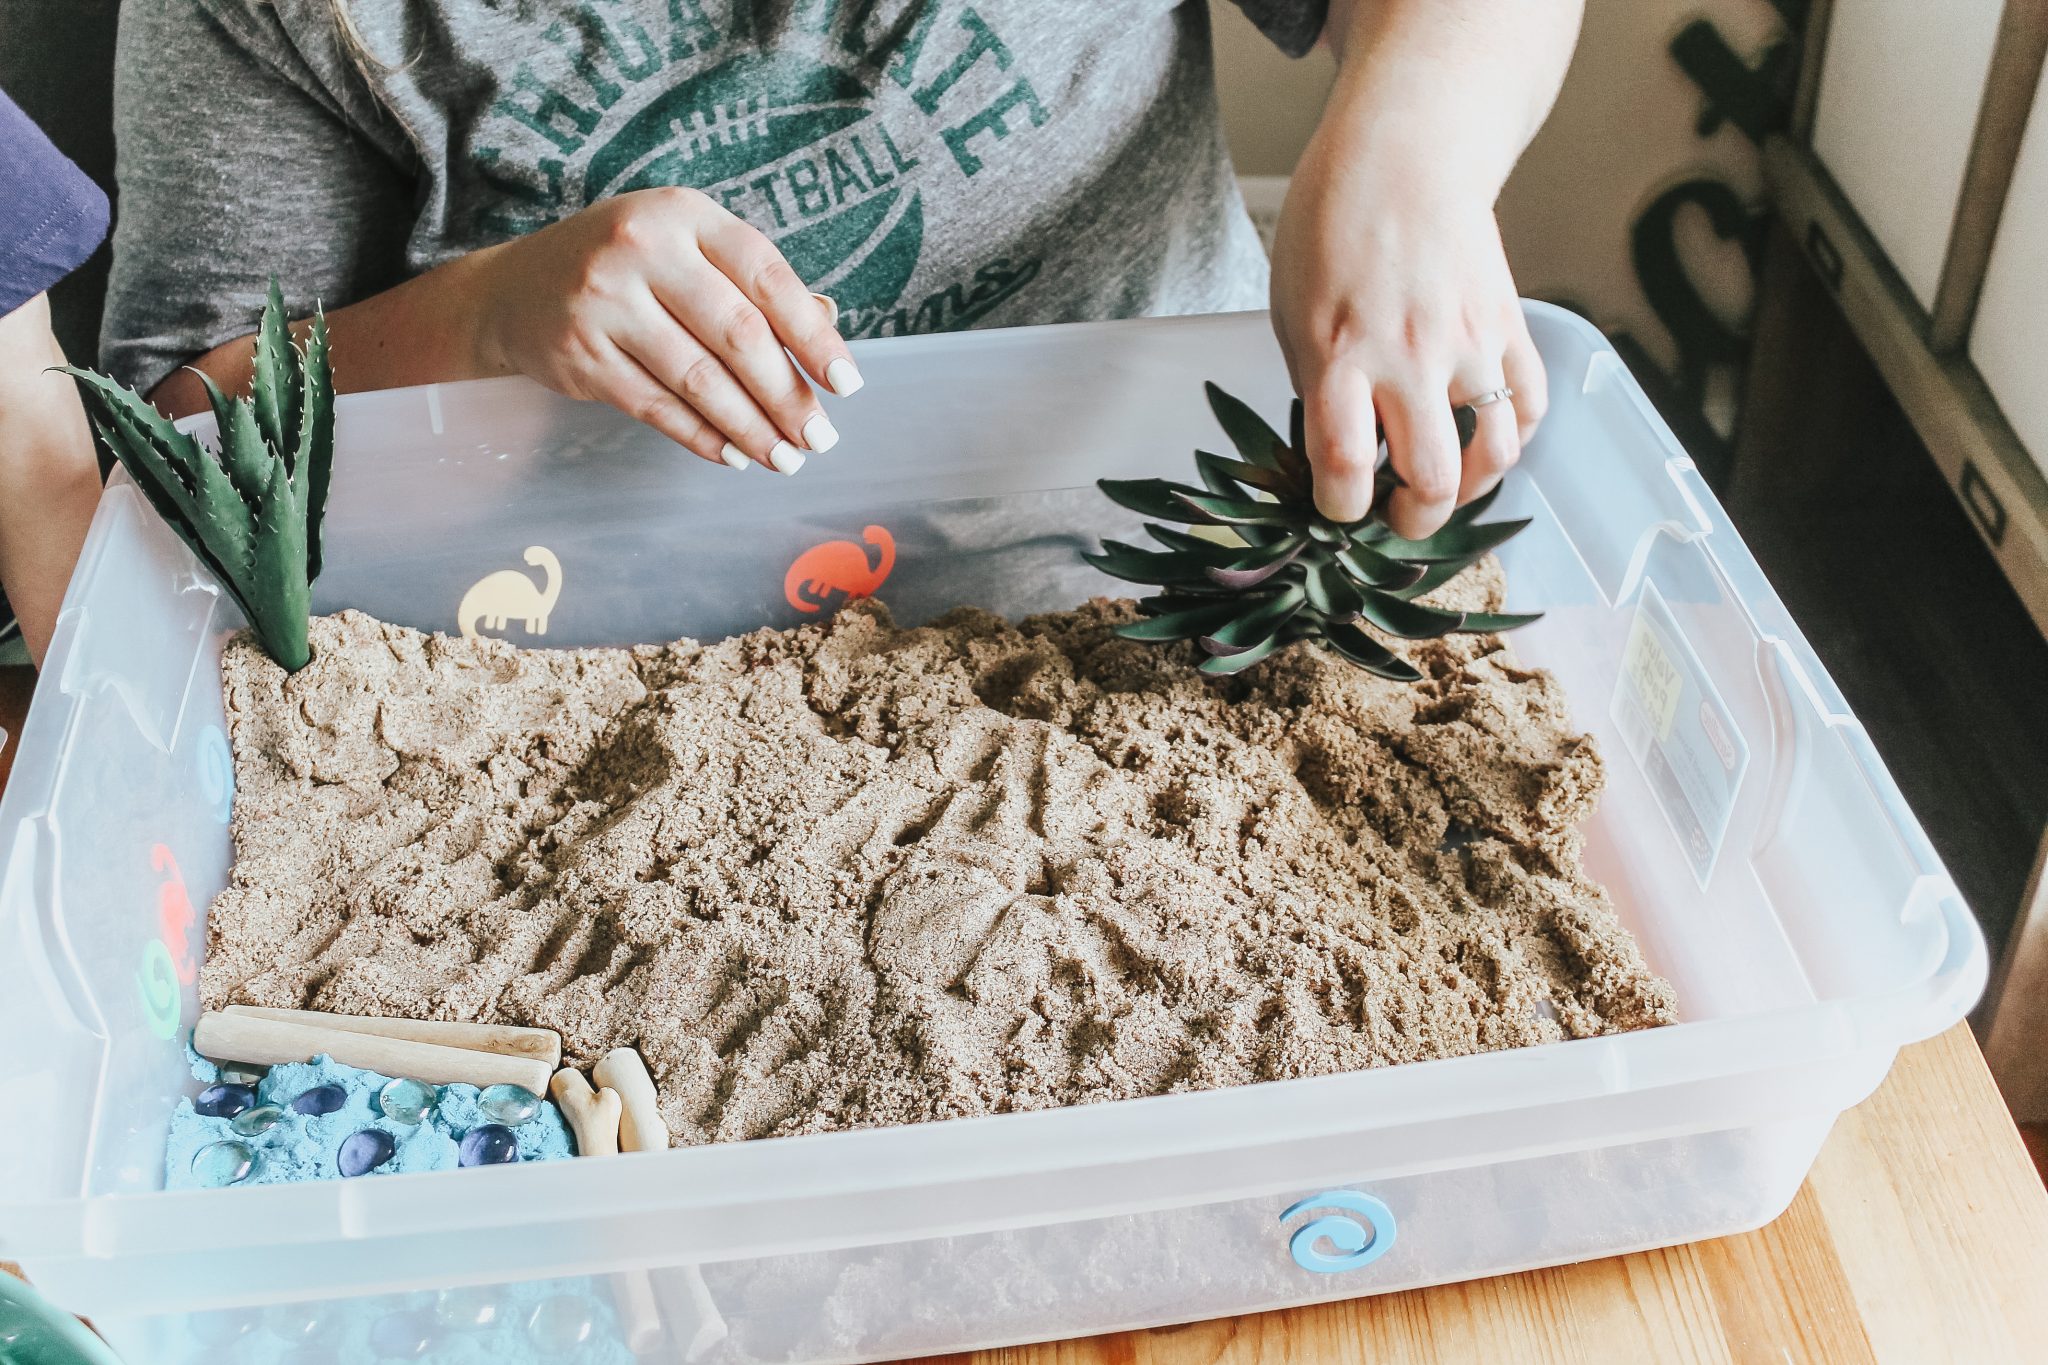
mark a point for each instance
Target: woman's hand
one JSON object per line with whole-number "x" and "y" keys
{"x": 658, "y": 302}
{"x": 1393, "y": 317}
{"x": 1391, "y": 294}
{"x": 671, "y": 309}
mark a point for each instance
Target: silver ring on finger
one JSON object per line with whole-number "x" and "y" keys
{"x": 1466, "y": 414}
{"x": 1499, "y": 395}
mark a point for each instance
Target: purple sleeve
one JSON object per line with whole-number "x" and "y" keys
{"x": 52, "y": 216}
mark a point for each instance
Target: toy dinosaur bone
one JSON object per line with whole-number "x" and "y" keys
{"x": 593, "y": 1114}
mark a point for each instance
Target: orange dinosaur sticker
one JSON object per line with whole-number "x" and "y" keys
{"x": 839, "y": 570}
{"x": 168, "y": 961}
{"x": 174, "y": 915}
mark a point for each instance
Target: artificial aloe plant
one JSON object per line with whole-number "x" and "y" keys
{"x": 1289, "y": 573}
{"x": 251, "y": 510}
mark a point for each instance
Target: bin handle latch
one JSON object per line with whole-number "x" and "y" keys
{"x": 1356, "y": 1243}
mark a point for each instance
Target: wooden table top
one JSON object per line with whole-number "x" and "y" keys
{"x": 1921, "y": 1236}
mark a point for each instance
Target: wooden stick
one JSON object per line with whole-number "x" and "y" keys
{"x": 594, "y": 1118}
{"x": 640, "y": 1125}
{"x": 541, "y": 1044}
{"x": 251, "y": 1038}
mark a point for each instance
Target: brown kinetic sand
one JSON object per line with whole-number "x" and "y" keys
{"x": 852, "y": 875}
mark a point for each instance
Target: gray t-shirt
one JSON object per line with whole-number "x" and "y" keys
{"x": 932, "y": 164}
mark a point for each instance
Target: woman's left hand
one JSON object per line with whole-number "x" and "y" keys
{"x": 1391, "y": 292}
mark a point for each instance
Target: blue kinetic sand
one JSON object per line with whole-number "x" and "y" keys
{"x": 301, "y": 1146}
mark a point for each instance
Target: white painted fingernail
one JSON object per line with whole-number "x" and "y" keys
{"x": 830, "y": 305}
{"x": 819, "y": 433}
{"x": 842, "y": 376}
{"x": 786, "y": 458}
{"x": 734, "y": 456}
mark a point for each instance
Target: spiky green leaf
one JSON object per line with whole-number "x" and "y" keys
{"x": 1294, "y": 455}
{"x": 1409, "y": 620}
{"x": 1203, "y": 548}
{"x": 1223, "y": 665}
{"x": 1371, "y": 569}
{"x": 1331, "y": 592}
{"x": 1257, "y": 624}
{"x": 1236, "y": 511}
{"x": 1182, "y": 598}
{"x": 1258, "y": 443}
{"x": 170, "y": 499}
{"x": 1369, "y": 654}
{"x": 138, "y": 425}
{"x": 1489, "y": 622}
{"x": 1182, "y": 625}
{"x": 186, "y": 484}
{"x": 275, "y": 389}
{"x": 278, "y": 598}
{"x": 1254, "y": 567}
{"x": 313, "y": 465}
{"x": 1452, "y": 542}
{"x": 243, "y": 454}
{"x": 1134, "y": 565}
{"x": 1152, "y": 498}
{"x": 1475, "y": 509}
{"x": 1436, "y": 574}
{"x": 223, "y": 406}
{"x": 1223, "y": 477}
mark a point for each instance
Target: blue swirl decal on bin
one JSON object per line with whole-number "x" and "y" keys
{"x": 216, "y": 773}
{"x": 1357, "y": 1243}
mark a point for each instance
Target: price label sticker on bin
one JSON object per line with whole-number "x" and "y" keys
{"x": 1679, "y": 731}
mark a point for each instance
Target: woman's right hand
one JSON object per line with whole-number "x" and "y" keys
{"x": 674, "y": 311}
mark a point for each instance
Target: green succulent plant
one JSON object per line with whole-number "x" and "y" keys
{"x": 250, "y": 510}
{"x": 1292, "y": 573}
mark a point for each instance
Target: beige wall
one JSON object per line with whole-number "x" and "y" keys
{"x": 1270, "y": 104}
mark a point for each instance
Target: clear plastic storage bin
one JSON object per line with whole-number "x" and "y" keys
{"x": 1750, "y": 837}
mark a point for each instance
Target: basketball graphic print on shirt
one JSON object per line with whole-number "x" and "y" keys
{"x": 793, "y": 147}
{"x": 826, "y": 129}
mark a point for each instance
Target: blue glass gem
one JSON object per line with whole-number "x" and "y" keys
{"x": 561, "y": 1323}
{"x": 402, "y": 1336}
{"x": 488, "y": 1144}
{"x": 406, "y": 1101}
{"x": 256, "y": 1122}
{"x": 467, "y": 1308}
{"x": 302, "y": 1321}
{"x": 224, "y": 1101}
{"x": 364, "y": 1151}
{"x": 321, "y": 1099}
{"x": 508, "y": 1104}
{"x": 219, "y": 1164}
